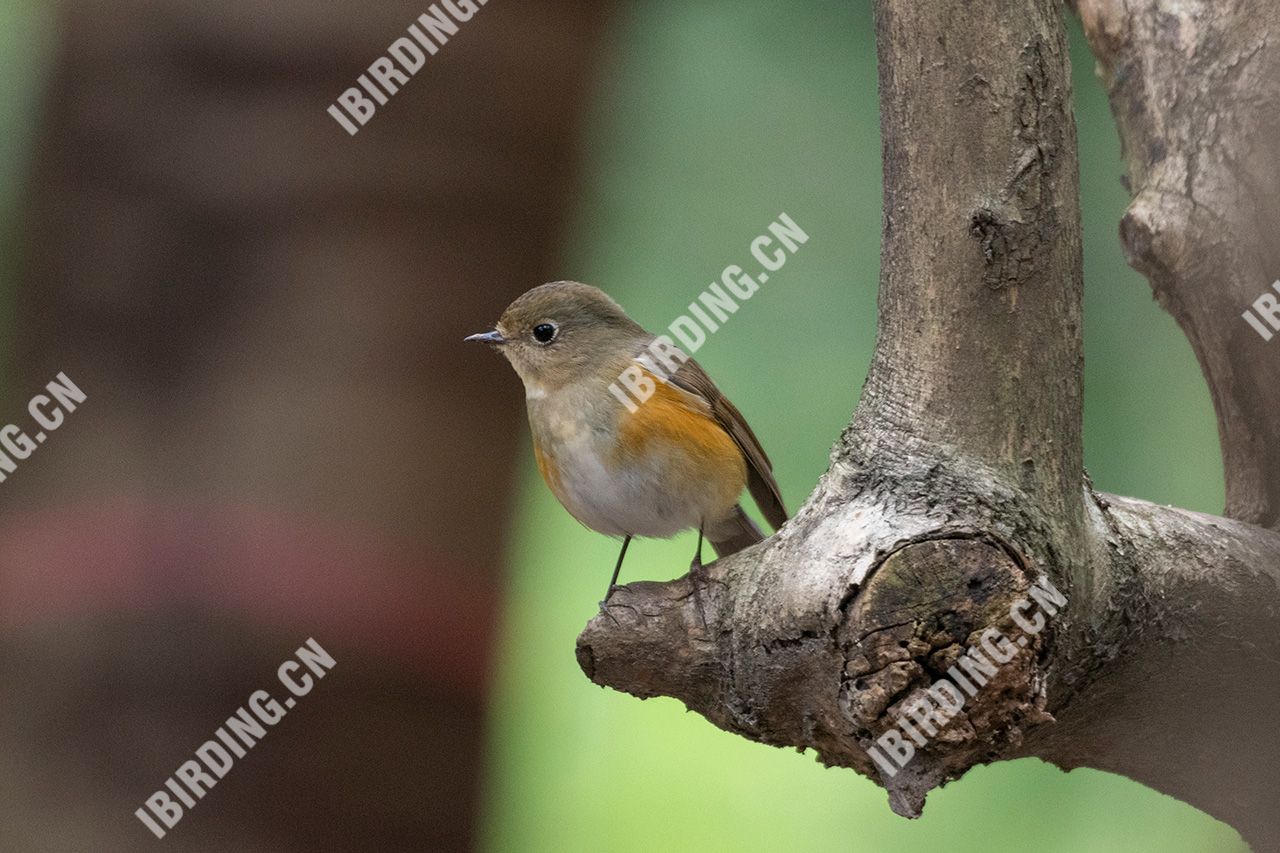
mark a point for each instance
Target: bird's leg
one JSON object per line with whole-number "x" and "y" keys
{"x": 613, "y": 582}
{"x": 695, "y": 577}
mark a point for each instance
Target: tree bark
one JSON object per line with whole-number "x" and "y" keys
{"x": 959, "y": 483}
{"x": 1195, "y": 89}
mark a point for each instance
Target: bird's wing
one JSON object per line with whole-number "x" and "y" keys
{"x": 760, "y": 482}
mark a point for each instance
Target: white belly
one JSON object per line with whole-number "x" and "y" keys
{"x": 635, "y": 498}
{"x": 619, "y": 501}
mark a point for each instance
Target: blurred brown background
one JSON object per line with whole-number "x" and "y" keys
{"x": 263, "y": 312}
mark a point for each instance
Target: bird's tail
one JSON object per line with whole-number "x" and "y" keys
{"x": 734, "y": 532}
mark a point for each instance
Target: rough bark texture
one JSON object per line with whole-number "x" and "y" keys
{"x": 959, "y": 480}
{"x": 1195, "y": 89}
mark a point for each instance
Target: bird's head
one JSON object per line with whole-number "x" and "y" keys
{"x": 562, "y": 332}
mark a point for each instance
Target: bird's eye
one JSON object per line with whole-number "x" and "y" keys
{"x": 544, "y": 333}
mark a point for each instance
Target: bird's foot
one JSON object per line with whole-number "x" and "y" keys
{"x": 604, "y": 605}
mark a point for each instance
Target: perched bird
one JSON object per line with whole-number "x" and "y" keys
{"x": 675, "y": 461}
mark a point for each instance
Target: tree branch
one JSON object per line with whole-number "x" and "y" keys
{"x": 1195, "y": 89}
{"x": 979, "y": 346}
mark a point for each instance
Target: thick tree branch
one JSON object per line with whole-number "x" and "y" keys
{"x": 1182, "y": 689}
{"x": 1172, "y": 679}
{"x": 979, "y": 346}
{"x": 958, "y": 484}
{"x": 1195, "y": 89}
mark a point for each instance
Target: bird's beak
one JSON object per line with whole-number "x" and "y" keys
{"x": 494, "y": 337}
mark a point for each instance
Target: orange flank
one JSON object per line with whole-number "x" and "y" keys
{"x": 678, "y": 428}
{"x": 547, "y": 468}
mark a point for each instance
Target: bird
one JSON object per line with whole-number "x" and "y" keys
{"x": 678, "y": 460}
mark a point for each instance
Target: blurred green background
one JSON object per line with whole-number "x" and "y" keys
{"x": 712, "y": 118}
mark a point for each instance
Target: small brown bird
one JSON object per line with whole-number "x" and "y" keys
{"x": 676, "y": 460}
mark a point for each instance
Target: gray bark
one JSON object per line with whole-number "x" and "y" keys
{"x": 959, "y": 480}
{"x": 1195, "y": 89}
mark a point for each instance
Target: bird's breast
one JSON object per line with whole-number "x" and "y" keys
{"x": 653, "y": 472}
